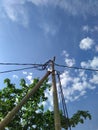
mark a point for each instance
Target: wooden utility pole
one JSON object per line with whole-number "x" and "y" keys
{"x": 57, "y": 121}
{"x": 12, "y": 113}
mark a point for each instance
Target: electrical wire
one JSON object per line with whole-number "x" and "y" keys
{"x": 7, "y": 71}
{"x": 56, "y": 64}
{"x": 41, "y": 66}
{"x": 21, "y": 64}
{"x": 36, "y": 66}
{"x": 74, "y": 67}
{"x": 65, "y": 111}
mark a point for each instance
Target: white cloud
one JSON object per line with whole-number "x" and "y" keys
{"x": 30, "y": 73}
{"x": 48, "y": 28}
{"x": 65, "y": 78}
{"x": 86, "y": 28}
{"x": 79, "y": 7}
{"x": 16, "y": 11}
{"x": 72, "y": 7}
{"x": 76, "y": 7}
{"x": 65, "y": 53}
{"x": 85, "y": 64}
{"x": 48, "y": 105}
{"x": 30, "y": 78}
{"x": 90, "y": 63}
{"x": 24, "y": 72}
{"x": 75, "y": 87}
{"x": 86, "y": 43}
{"x": 49, "y": 102}
{"x": 76, "y": 83}
{"x": 68, "y": 61}
{"x": 94, "y": 79}
{"x": 94, "y": 62}
{"x": 96, "y": 48}
{"x": 15, "y": 76}
{"x": 39, "y": 2}
{"x": 96, "y": 28}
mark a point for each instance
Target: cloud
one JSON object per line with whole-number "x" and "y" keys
{"x": 85, "y": 64}
{"x": 65, "y": 78}
{"x": 76, "y": 7}
{"x": 76, "y": 83}
{"x": 90, "y": 63}
{"x": 48, "y": 28}
{"x": 94, "y": 65}
{"x": 16, "y": 11}
{"x": 24, "y": 72}
{"x": 96, "y": 28}
{"x": 65, "y": 53}
{"x": 68, "y": 61}
{"x": 29, "y": 78}
{"x": 15, "y": 76}
{"x": 49, "y": 103}
{"x": 87, "y": 28}
{"x": 94, "y": 79}
{"x": 39, "y": 2}
{"x": 79, "y": 7}
{"x": 86, "y": 43}
{"x": 75, "y": 87}
{"x": 96, "y": 48}
{"x": 30, "y": 73}
{"x": 92, "y": 30}
{"x": 94, "y": 62}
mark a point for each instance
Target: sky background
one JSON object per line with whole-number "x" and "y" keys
{"x": 33, "y": 31}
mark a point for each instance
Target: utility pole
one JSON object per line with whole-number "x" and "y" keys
{"x": 57, "y": 121}
{"x": 12, "y": 113}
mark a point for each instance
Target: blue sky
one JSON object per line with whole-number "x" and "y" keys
{"x": 33, "y": 31}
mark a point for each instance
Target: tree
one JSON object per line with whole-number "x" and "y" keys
{"x": 32, "y": 116}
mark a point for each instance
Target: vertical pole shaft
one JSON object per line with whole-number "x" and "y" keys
{"x": 55, "y": 100}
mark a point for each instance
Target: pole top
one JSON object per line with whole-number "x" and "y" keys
{"x": 54, "y": 58}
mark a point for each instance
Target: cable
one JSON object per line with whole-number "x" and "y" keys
{"x": 36, "y": 66}
{"x": 24, "y": 63}
{"x": 63, "y": 102}
{"x": 74, "y": 67}
{"x": 7, "y": 71}
{"x": 45, "y": 66}
{"x": 64, "y": 66}
{"x": 21, "y": 64}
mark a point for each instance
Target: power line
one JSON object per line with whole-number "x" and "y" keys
{"x": 74, "y": 67}
{"x": 7, "y": 71}
{"x": 39, "y": 67}
{"x": 24, "y": 64}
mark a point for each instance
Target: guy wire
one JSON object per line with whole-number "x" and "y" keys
{"x": 63, "y": 102}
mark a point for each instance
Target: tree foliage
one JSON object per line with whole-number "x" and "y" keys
{"x": 32, "y": 116}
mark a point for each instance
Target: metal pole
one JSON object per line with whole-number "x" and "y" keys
{"x": 55, "y": 99}
{"x": 12, "y": 113}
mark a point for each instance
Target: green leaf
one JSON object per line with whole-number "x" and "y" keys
{"x": 32, "y": 115}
